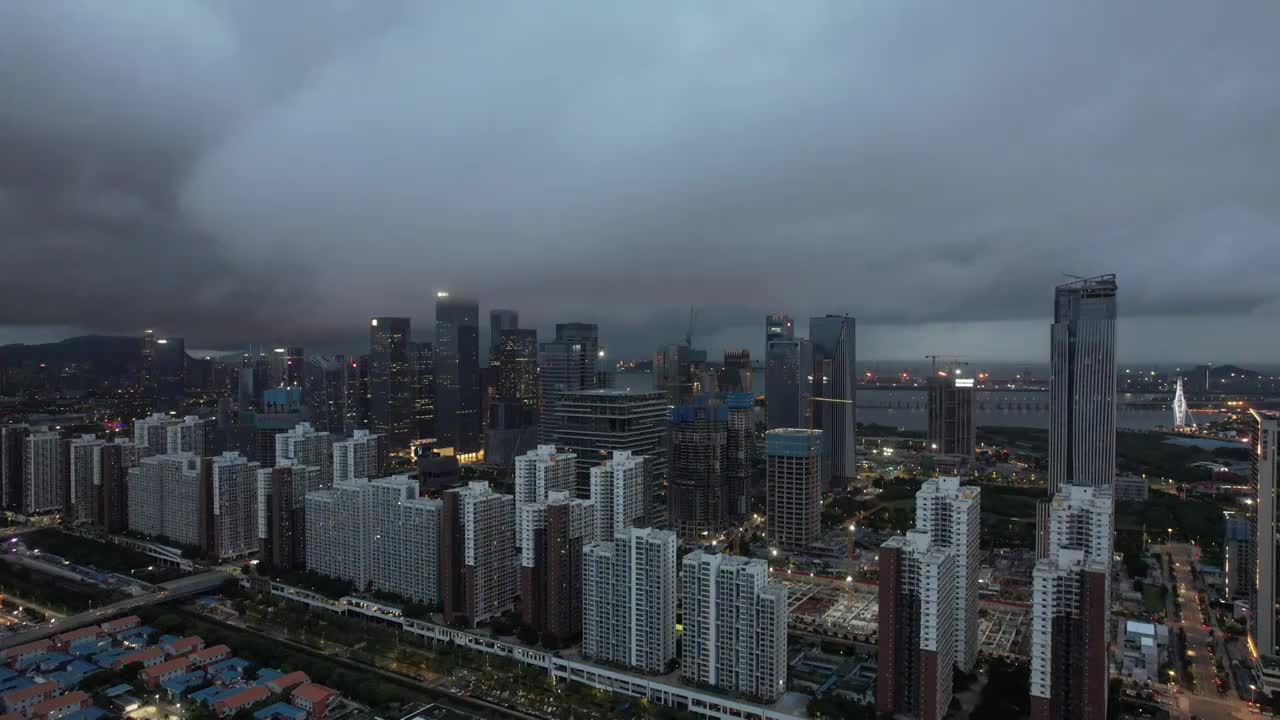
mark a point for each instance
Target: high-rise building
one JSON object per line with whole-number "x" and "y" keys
{"x": 676, "y": 373}
{"x": 952, "y": 430}
{"x": 737, "y": 376}
{"x": 391, "y": 375}
{"x": 305, "y": 445}
{"x": 376, "y": 533}
{"x": 44, "y": 465}
{"x": 111, "y": 501}
{"x": 1082, "y": 394}
{"x": 190, "y": 434}
{"x": 82, "y": 471}
{"x": 565, "y": 365}
{"x": 735, "y": 625}
{"x": 552, "y": 533}
{"x": 740, "y": 452}
{"x": 952, "y": 515}
{"x": 834, "y": 378}
{"x": 629, "y": 600}
{"x": 543, "y": 471}
{"x": 916, "y": 639}
{"x": 151, "y": 433}
{"x": 12, "y": 476}
{"x": 515, "y": 360}
{"x": 477, "y": 554}
{"x": 1236, "y": 551}
{"x": 457, "y": 374}
{"x": 1071, "y": 607}
{"x": 282, "y": 491}
{"x": 171, "y": 373}
{"x": 169, "y": 496}
{"x": 778, "y": 326}
{"x": 424, "y": 382}
{"x": 1262, "y": 521}
{"x": 330, "y": 391}
{"x": 695, "y": 501}
{"x": 500, "y": 321}
{"x": 148, "y": 377}
{"x": 794, "y": 486}
{"x": 360, "y": 457}
{"x": 618, "y": 489}
{"x": 787, "y": 384}
{"x": 596, "y": 423}
{"x": 234, "y": 505}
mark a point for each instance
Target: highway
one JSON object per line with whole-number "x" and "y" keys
{"x": 174, "y": 589}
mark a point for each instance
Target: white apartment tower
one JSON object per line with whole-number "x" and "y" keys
{"x": 191, "y": 434}
{"x": 478, "y": 562}
{"x": 84, "y": 459}
{"x": 952, "y": 515}
{"x": 152, "y": 433}
{"x": 543, "y": 470}
{"x": 359, "y": 457}
{"x": 618, "y": 489}
{"x": 735, "y": 625}
{"x": 532, "y": 517}
{"x": 165, "y": 498}
{"x": 378, "y": 533}
{"x": 917, "y": 626}
{"x": 44, "y": 466}
{"x": 234, "y": 484}
{"x": 1262, "y": 530}
{"x": 629, "y": 599}
{"x": 304, "y": 445}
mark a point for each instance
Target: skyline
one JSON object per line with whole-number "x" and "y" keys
{"x": 212, "y": 172}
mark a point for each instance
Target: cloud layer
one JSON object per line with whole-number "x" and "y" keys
{"x": 237, "y": 170}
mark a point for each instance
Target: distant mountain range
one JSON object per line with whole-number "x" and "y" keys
{"x": 110, "y": 355}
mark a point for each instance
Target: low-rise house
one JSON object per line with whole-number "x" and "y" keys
{"x": 241, "y": 699}
{"x": 22, "y": 700}
{"x": 315, "y": 699}
{"x": 60, "y": 706}
{"x": 166, "y": 670}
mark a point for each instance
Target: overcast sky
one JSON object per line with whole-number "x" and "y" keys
{"x": 238, "y": 171}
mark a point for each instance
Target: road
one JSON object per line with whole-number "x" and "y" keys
{"x": 1205, "y": 702}
{"x": 173, "y": 590}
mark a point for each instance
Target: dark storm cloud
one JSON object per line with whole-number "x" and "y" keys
{"x": 241, "y": 168}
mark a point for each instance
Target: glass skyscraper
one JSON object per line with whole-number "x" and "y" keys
{"x": 390, "y": 379}
{"x": 457, "y": 373}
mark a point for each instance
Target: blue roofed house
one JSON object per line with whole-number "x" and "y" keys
{"x": 280, "y": 711}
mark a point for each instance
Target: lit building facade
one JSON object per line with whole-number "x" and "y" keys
{"x": 360, "y": 457}
{"x": 952, "y": 430}
{"x": 457, "y": 374}
{"x": 391, "y": 379}
{"x": 794, "y": 486}
{"x": 629, "y": 600}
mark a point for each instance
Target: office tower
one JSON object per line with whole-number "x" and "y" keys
{"x": 328, "y": 389}
{"x": 1266, "y": 469}
{"x": 457, "y": 374}
{"x": 778, "y": 326}
{"x": 1071, "y": 607}
{"x": 515, "y": 359}
{"x": 952, "y": 430}
{"x": 833, "y": 379}
{"x": 565, "y": 365}
{"x": 390, "y": 379}
{"x": 45, "y": 466}
{"x": 281, "y": 495}
{"x": 169, "y": 496}
{"x": 737, "y": 375}
{"x": 735, "y": 626}
{"x": 596, "y": 423}
{"x": 282, "y": 410}
{"x": 424, "y": 380}
{"x": 360, "y": 457}
{"x": 171, "y": 372}
{"x": 695, "y": 501}
{"x": 787, "y": 384}
{"x": 151, "y": 433}
{"x": 618, "y": 489}
{"x": 916, "y": 640}
{"x": 294, "y": 366}
{"x": 191, "y": 434}
{"x": 952, "y": 515}
{"x": 552, "y": 533}
{"x": 674, "y": 373}
{"x": 794, "y": 486}
{"x": 629, "y": 600}
{"x": 357, "y": 417}
{"x": 234, "y": 504}
{"x": 12, "y": 448}
{"x": 1236, "y": 569}
{"x": 304, "y": 445}
{"x": 1082, "y": 399}
{"x": 544, "y": 471}
{"x": 111, "y": 502}
{"x": 500, "y": 321}
{"x": 740, "y": 452}
{"x": 377, "y": 533}
{"x": 82, "y": 471}
{"x": 148, "y": 377}
{"x": 477, "y": 554}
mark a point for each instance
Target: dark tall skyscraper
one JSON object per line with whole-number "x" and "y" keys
{"x": 457, "y": 374}
{"x": 787, "y": 387}
{"x": 737, "y": 375}
{"x": 391, "y": 379}
{"x": 500, "y": 320}
{"x": 1082, "y": 394}
{"x": 424, "y": 390}
{"x": 697, "y": 465}
{"x": 148, "y": 378}
{"x": 171, "y": 373}
{"x": 778, "y": 327}
{"x": 328, "y": 390}
{"x": 740, "y": 452}
{"x": 833, "y": 378}
{"x": 951, "y": 421}
{"x": 511, "y": 422}
{"x": 566, "y": 364}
